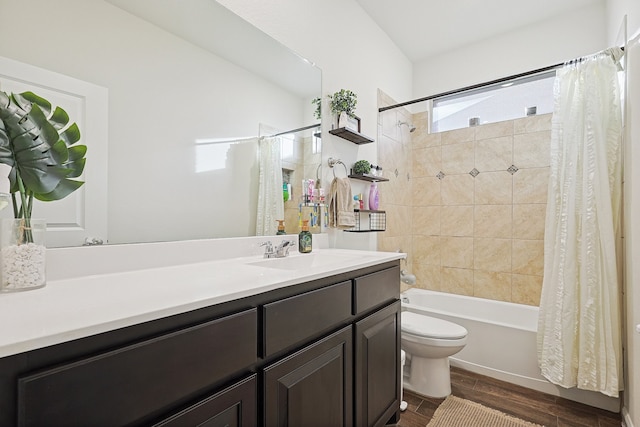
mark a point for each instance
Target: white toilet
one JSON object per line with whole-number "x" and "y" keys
{"x": 429, "y": 342}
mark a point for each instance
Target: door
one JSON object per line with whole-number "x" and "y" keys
{"x": 82, "y": 214}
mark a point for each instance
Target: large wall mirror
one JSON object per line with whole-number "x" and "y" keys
{"x": 191, "y": 88}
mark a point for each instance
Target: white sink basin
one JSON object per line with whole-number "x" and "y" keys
{"x": 304, "y": 261}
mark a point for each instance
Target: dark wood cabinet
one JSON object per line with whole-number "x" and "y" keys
{"x": 312, "y": 387}
{"x": 377, "y": 372}
{"x": 320, "y": 353}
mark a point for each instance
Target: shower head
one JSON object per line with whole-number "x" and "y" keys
{"x": 409, "y": 125}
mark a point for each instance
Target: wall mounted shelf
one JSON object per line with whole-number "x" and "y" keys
{"x": 351, "y": 135}
{"x": 368, "y": 177}
{"x": 312, "y": 205}
{"x": 377, "y": 221}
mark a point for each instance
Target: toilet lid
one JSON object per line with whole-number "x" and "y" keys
{"x": 430, "y": 327}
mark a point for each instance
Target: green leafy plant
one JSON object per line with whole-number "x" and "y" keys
{"x": 318, "y": 103}
{"x": 361, "y": 167}
{"x": 40, "y": 145}
{"x": 343, "y": 100}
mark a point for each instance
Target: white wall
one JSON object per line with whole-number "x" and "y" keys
{"x": 616, "y": 10}
{"x": 632, "y": 237}
{"x": 353, "y": 53}
{"x": 569, "y": 36}
{"x": 164, "y": 93}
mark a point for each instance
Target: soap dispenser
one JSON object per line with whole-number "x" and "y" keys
{"x": 280, "y": 227}
{"x": 304, "y": 238}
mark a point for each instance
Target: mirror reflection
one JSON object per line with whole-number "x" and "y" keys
{"x": 193, "y": 92}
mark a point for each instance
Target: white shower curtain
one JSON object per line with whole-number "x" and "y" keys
{"x": 579, "y": 337}
{"x": 270, "y": 200}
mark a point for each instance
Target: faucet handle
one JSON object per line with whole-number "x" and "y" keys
{"x": 268, "y": 250}
{"x": 286, "y": 243}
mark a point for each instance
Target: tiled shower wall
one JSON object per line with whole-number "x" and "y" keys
{"x": 470, "y": 213}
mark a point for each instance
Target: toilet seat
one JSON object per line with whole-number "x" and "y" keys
{"x": 430, "y": 327}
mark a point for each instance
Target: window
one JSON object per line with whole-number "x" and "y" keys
{"x": 489, "y": 104}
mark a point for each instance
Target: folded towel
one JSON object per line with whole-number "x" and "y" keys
{"x": 341, "y": 213}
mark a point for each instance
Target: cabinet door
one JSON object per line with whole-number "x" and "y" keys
{"x": 312, "y": 387}
{"x": 377, "y": 367}
{"x": 234, "y": 406}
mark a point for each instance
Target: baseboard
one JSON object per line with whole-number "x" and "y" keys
{"x": 590, "y": 398}
{"x": 626, "y": 418}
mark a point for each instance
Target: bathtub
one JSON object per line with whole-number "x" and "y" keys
{"x": 501, "y": 341}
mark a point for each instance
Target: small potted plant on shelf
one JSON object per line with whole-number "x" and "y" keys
{"x": 343, "y": 105}
{"x": 361, "y": 167}
{"x": 39, "y": 144}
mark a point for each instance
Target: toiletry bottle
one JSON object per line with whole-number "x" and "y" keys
{"x": 304, "y": 238}
{"x": 280, "y": 227}
{"x": 305, "y": 191}
{"x": 373, "y": 196}
{"x": 310, "y": 190}
{"x": 361, "y": 201}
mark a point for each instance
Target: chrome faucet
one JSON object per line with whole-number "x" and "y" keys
{"x": 283, "y": 248}
{"x": 281, "y": 251}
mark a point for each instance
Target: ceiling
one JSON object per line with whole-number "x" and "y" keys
{"x": 424, "y": 28}
{"x": 213, "y": 27}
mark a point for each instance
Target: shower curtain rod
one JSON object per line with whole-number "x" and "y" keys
{"x": 472, "y": 87}
{"x": 293, "y": 130}
{"x": 477, "y": 86}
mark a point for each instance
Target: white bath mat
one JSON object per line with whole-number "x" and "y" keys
{"x": 457, "y": 412}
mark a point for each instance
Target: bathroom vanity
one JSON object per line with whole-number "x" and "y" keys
{"x": 314, "y": 341}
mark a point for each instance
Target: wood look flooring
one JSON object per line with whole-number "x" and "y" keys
{"x": 521, "y": 402}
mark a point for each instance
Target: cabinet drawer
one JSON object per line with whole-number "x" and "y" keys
{"x": 305, "y": 316}
{"x": 376, "y": 289}
{"x": 128, "y": 384}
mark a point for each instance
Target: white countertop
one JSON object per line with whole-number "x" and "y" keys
{"x": 75, "y": 307}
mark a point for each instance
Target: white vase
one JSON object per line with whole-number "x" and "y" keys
{"x": 22, "y": 254}
{"x": 343, "y": 119}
